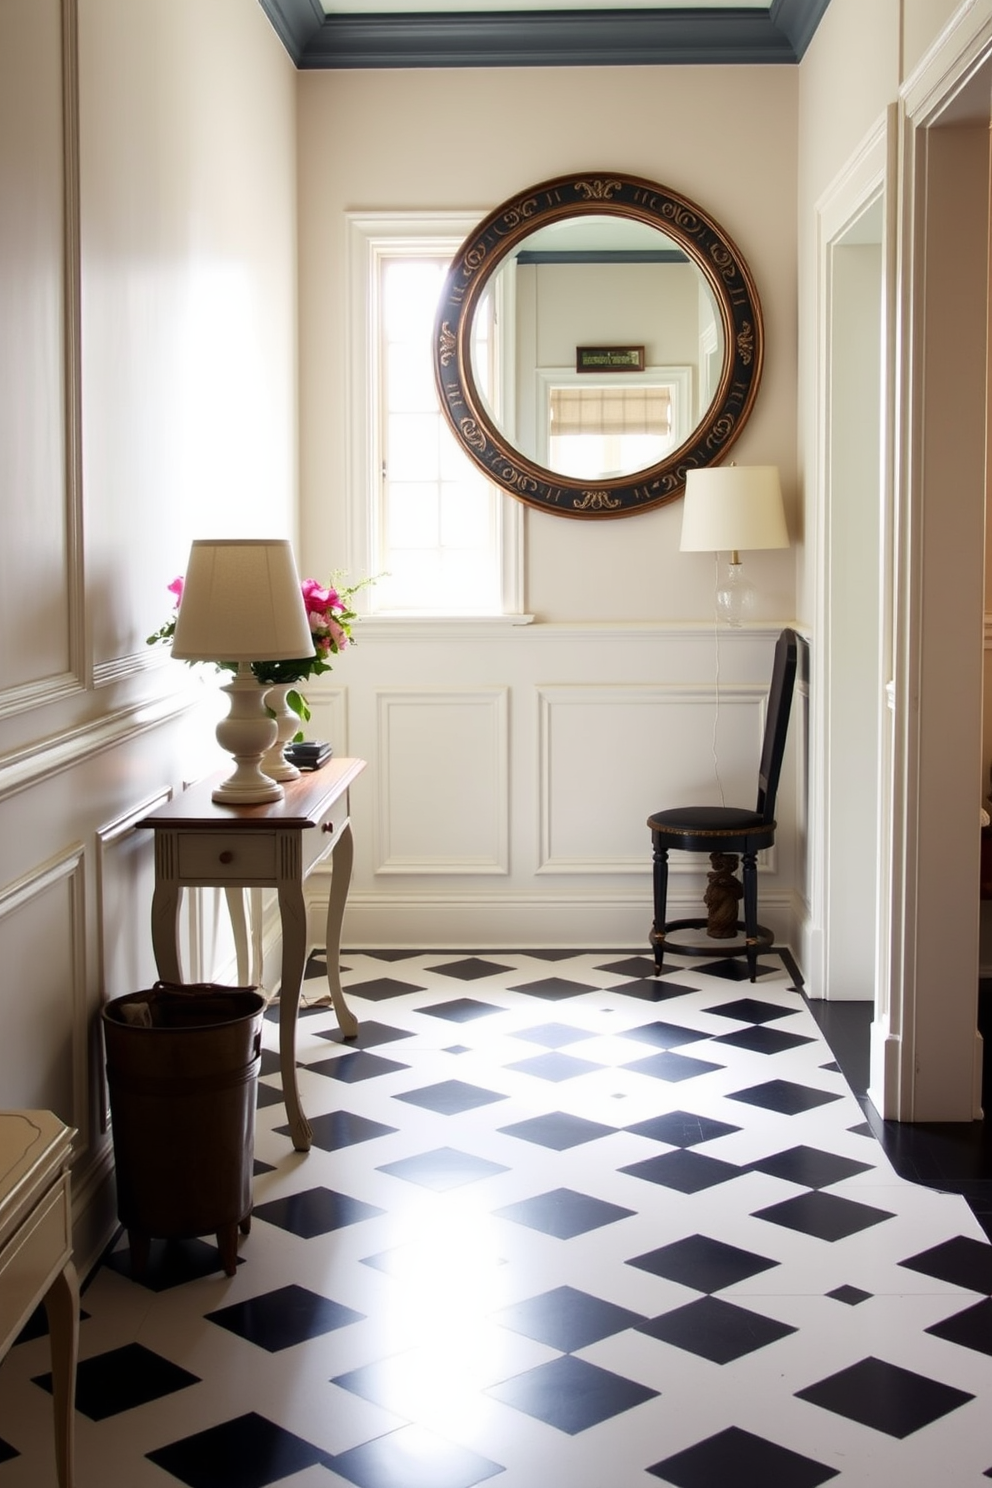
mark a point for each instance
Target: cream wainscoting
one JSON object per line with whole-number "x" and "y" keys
{"x": 507, "y": 805}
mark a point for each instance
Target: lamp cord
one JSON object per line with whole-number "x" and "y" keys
{"x": 716, "y": 677}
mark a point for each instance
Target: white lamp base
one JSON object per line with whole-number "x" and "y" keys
{"x": 246, "y": 733}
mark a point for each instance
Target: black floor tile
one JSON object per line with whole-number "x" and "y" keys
{"x": 268, "y": 1095}
{"x": 558, "y": 1130}
{"x": 248, "y": 1452}
{"x": 567, "y": 1319}
{"x": 969, "y": 1329}
{"x": 282, "y": 1318}
{"x": 664, "y": 1035}
{"x": 380, "y": 989}
{"x": 784, "y": 1096}
{"x": 716, "y": 1330}
{"x": 885, "y": 1397}
{"x": 123, "y": 1378}
{"x": 702, "y": 1263}
{"x": 450, "y": 1097}
{"x": 851, "y": 1296}
{"x": 351, "y": 1068}
{"x": 315, "y": 1211}
{"x": 962, "y": 1261}
{"x": 739, "y": 1459}
{"x": 671, "y": 1067}
{"x": 734, "y": 969}
{"x": 810, "y": 1167}
{"x": 682, "y": 1129}
{"x": 761, "y": 1039}
{"x": 443, "y": 1169}
{"x": 469, "y": 968}
{"x": 630, "y": 966}
{"x": 653, "y": 989}
{"x": 461, "y": 1010}
{"x": 570, "y": 1394}
{"x": 171, "y": 1263}
{"x": 370, "y": 1034}
{"x": 827, "y": 1216}
{"x": 553, "y": 989}
{"x": 688, "y": 1172}
{"x": 752, "y": 1010}
{"x": 337, "y": 1129}
{"x": 563, "y": 1213}
{"x": 412, "y": 1458}
{"x": 554, "y": 1066}
{"x": 553, "y": 1035}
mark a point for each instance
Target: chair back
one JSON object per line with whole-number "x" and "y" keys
{"x": 777, "y": 721}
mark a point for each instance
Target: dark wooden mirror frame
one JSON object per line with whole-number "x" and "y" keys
{"x": 707, "y": 246}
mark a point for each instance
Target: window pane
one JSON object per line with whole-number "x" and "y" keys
{"x": 466, "y": 516}
{"x": 412, "y": 515}
{"x": 438, "y": 518}
{"x": 412, "y": 452}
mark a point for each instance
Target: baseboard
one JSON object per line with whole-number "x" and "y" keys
{"x": 515, "y": 921}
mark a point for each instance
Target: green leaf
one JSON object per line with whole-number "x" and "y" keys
{"x": 299, "y": 705}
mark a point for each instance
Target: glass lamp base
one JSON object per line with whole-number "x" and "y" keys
{"x": 735, "y": 596}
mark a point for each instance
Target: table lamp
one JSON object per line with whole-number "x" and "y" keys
{"x": 729, "y": 509}
{"x": 241, "y": 603}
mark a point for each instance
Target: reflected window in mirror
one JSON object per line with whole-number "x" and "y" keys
{"x": 598, "y": 430}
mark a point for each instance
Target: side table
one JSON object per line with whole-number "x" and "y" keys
{"x": 201, "y": 843}
{"x": 36, "y": 1254}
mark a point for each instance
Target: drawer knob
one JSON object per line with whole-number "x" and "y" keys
{"x": 227, "y": 856}
{"x": 327, "y": 826}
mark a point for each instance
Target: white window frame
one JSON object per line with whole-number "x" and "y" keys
{"x": 373, "y": 236}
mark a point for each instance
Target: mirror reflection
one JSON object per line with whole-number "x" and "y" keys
{"x": 593, "y": 282}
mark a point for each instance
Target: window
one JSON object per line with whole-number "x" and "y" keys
{"x": 443, "y": 540}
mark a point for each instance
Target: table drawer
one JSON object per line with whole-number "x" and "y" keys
{"x": 238, "y": 856}
{"x": 33, "y": 1255}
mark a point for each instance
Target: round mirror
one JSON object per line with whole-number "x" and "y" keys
{"x": 596, "y": 338}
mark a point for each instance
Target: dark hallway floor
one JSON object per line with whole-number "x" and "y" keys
{"x": 955, "y": 1157}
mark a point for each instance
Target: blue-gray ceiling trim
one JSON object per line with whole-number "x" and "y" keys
{"x": 570, "y": 38}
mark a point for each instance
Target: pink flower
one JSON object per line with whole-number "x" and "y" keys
{"x": 336, "y": 634}
{"x": 176, "y": 588}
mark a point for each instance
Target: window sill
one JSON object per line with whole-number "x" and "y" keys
{"x": 390, "y": 626}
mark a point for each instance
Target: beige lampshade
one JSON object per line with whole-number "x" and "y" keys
{"x": 242, "y": 601}
{"x": 731, "y": 508}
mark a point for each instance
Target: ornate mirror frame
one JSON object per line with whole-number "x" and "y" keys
{"x": 705, "y": 244}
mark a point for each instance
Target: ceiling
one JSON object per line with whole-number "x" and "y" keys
{"x": 328, "y": 34}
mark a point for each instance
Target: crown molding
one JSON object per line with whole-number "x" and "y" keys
{"x": 541, "y": 38}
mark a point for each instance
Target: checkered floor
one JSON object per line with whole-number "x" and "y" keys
{"x": 564, "y": 1225}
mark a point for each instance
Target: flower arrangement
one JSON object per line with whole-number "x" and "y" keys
{"x": 331, "y": 618}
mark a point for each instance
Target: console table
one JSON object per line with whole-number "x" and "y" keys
{"x": 200, "y": 843}
{"x": 36, "y": 1254}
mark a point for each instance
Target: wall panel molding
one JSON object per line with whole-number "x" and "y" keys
{"x": 31, "y": 766}
{"x": 442, "y": 803}
{"x": 595, "y": 740}
{"x": 52, "y": 891}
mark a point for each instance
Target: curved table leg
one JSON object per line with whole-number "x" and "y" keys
{"x": 236, "y": 909}
{"x": 342, "y": 858}
{"x": 165, "y": 930}
{"x": 293, "y": 912}
{"x": 62, "y": 1308}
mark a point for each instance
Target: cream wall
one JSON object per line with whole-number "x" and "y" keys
{"x": 185, "y": 387}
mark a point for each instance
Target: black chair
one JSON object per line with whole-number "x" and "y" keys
{"x": 723, "y": 830}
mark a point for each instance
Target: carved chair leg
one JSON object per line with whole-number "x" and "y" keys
{"x": 751, "y": 912}
{"x": 660, "y": 903}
